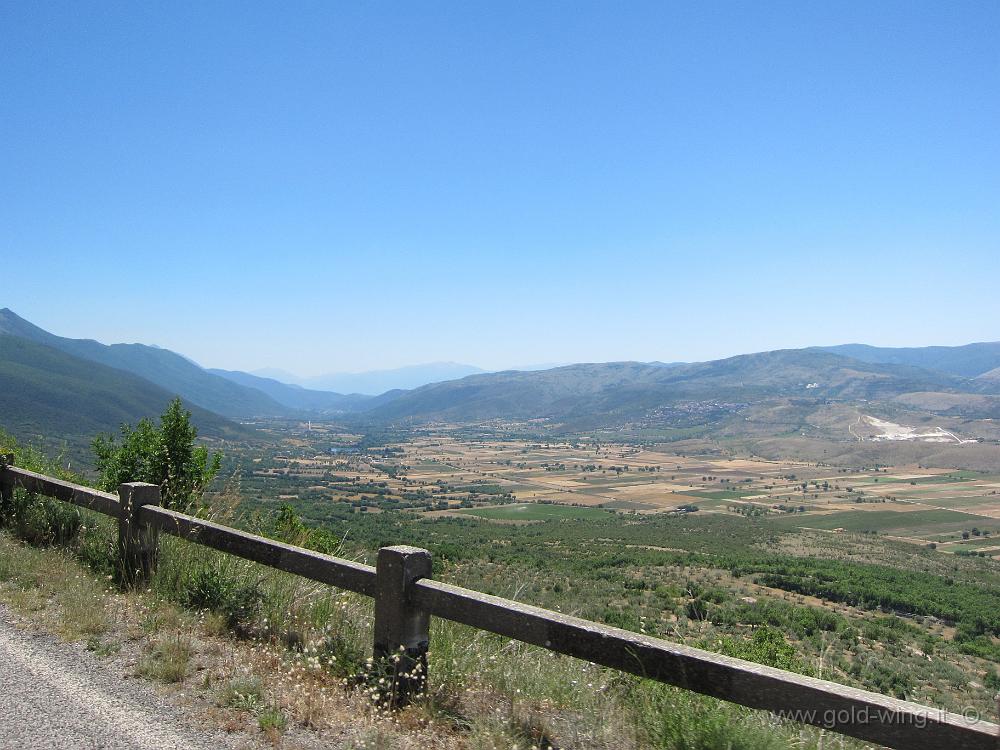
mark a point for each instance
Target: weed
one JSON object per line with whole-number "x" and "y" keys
{"x": 168, "y": 660}
{"x": 270, "y": 718}
{"x": 242, "y": 693}
{"x": 102, "y": 649}
{"x": 82, "y": 611}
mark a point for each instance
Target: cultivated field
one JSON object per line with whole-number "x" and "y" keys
{"x": 523, "y": 481}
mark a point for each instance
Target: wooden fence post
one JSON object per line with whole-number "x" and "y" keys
{"x": 401, "y": 631}
{"x": 137, "y": 541}
{"x": 6, "y": 480}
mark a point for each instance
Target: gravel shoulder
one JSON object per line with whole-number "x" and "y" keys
{"x": 58, "y": 695}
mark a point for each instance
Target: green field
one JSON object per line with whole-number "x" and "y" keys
{"x": 535, "y": 512}
{"x": 868, "y": 607}
{"x": 990, "y": 541}
{"x": 913, "y": 522}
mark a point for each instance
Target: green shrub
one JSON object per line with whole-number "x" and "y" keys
{"x": 40, "y": 521}
{"x": 766, "y": 646}
{"x": 271, "y": 719}
{"x": 37, "y": 520}
{"x": 993, "y": 680}
{"x": 242, "y": 693}
{"x": 168, "y": 660}
{"x": 97, "y": 544}
{"x": 212, "y": 587}
{"x": 164, "y": 455}
{"x": 879, "y": 676}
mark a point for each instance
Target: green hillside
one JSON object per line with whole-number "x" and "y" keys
{"x": 48, "y": 394}
{"x": 160, "y": 366}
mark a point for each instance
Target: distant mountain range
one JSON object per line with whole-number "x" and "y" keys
{"x": 375, "y": 382}
{"x": 295, "y": 396}
{"x": 590, "y": 395}
{"x": 969, "y": 361}
{"x": 82, "y": 386}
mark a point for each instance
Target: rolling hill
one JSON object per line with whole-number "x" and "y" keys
{"x": 990, "y": 377}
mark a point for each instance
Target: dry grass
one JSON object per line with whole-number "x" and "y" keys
{"x": 277, "y": 696}
{"x": 168, "y": 659}
{"x": 50, "y": 586}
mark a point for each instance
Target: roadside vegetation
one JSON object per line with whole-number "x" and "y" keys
{"x": 917, "y": 625}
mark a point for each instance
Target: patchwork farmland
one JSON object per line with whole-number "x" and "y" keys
{"x": 521, "y": 481}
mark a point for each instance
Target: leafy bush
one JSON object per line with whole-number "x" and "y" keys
{"x": 164, "y": 455}
{"x": 41, "y": 521}
{"x": 211, "y": 587}
{"x": 37, "y": 520}
{"x": 993, "y": 680}
{"x": 977, "y": 644}
{"x": 803, "y": 621}
{"x": 880, "y": 676}
{"x": 766, "y": 646}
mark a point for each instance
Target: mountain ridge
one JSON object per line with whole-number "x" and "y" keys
{"x": 582, "y": 395}
{"x": 594, "y": 392}
{"x": 163, "y": 367}
{"x": 296, "y": 396}
{"x": 967, "y": 360}
{"x": 45, "y": 390}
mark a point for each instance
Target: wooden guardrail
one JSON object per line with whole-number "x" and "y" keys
{"x": 406, "y": 598}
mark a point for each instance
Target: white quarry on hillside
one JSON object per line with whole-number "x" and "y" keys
{"x": 872, "y": 428}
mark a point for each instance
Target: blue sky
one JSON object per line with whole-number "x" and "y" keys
{"x": 345, "y": 186}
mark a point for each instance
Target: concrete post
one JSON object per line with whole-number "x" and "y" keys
{"x": 6, "y": 480}
{"x": 137, "y": 541}
{"x": 402, "y": 633}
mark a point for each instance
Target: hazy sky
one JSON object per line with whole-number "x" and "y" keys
{"x": 342, "y": 186}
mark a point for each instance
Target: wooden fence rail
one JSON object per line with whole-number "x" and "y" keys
{"x": 406, "y": 598}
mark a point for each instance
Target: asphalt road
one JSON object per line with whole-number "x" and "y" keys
{"x": 56, "y": 695}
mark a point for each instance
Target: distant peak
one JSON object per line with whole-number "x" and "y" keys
{"x": 11, "y": 322}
